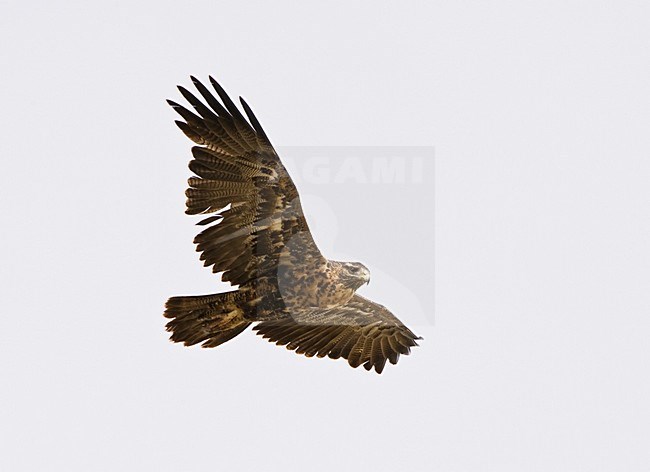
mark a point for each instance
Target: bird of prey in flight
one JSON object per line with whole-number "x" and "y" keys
{"x": 258, "y": 237}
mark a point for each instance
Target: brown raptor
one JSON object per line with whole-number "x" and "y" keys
{"x": 259, "y": 238}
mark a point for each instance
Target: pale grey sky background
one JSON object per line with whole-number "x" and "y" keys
{"x": 538, "y": 358}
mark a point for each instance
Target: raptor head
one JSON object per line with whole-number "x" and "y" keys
{"x": 354, "y": 274}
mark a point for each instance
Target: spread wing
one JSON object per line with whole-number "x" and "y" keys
{"x": 235, "y": 164}
{"x": 361, "y": 331}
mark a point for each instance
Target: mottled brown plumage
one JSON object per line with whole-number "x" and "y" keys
{"x": 259, "y": 238}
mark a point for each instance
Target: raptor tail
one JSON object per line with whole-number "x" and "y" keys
{"x": 210, "y": 319}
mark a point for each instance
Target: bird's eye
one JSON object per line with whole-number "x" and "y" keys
{"x": 354, "y": 269}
